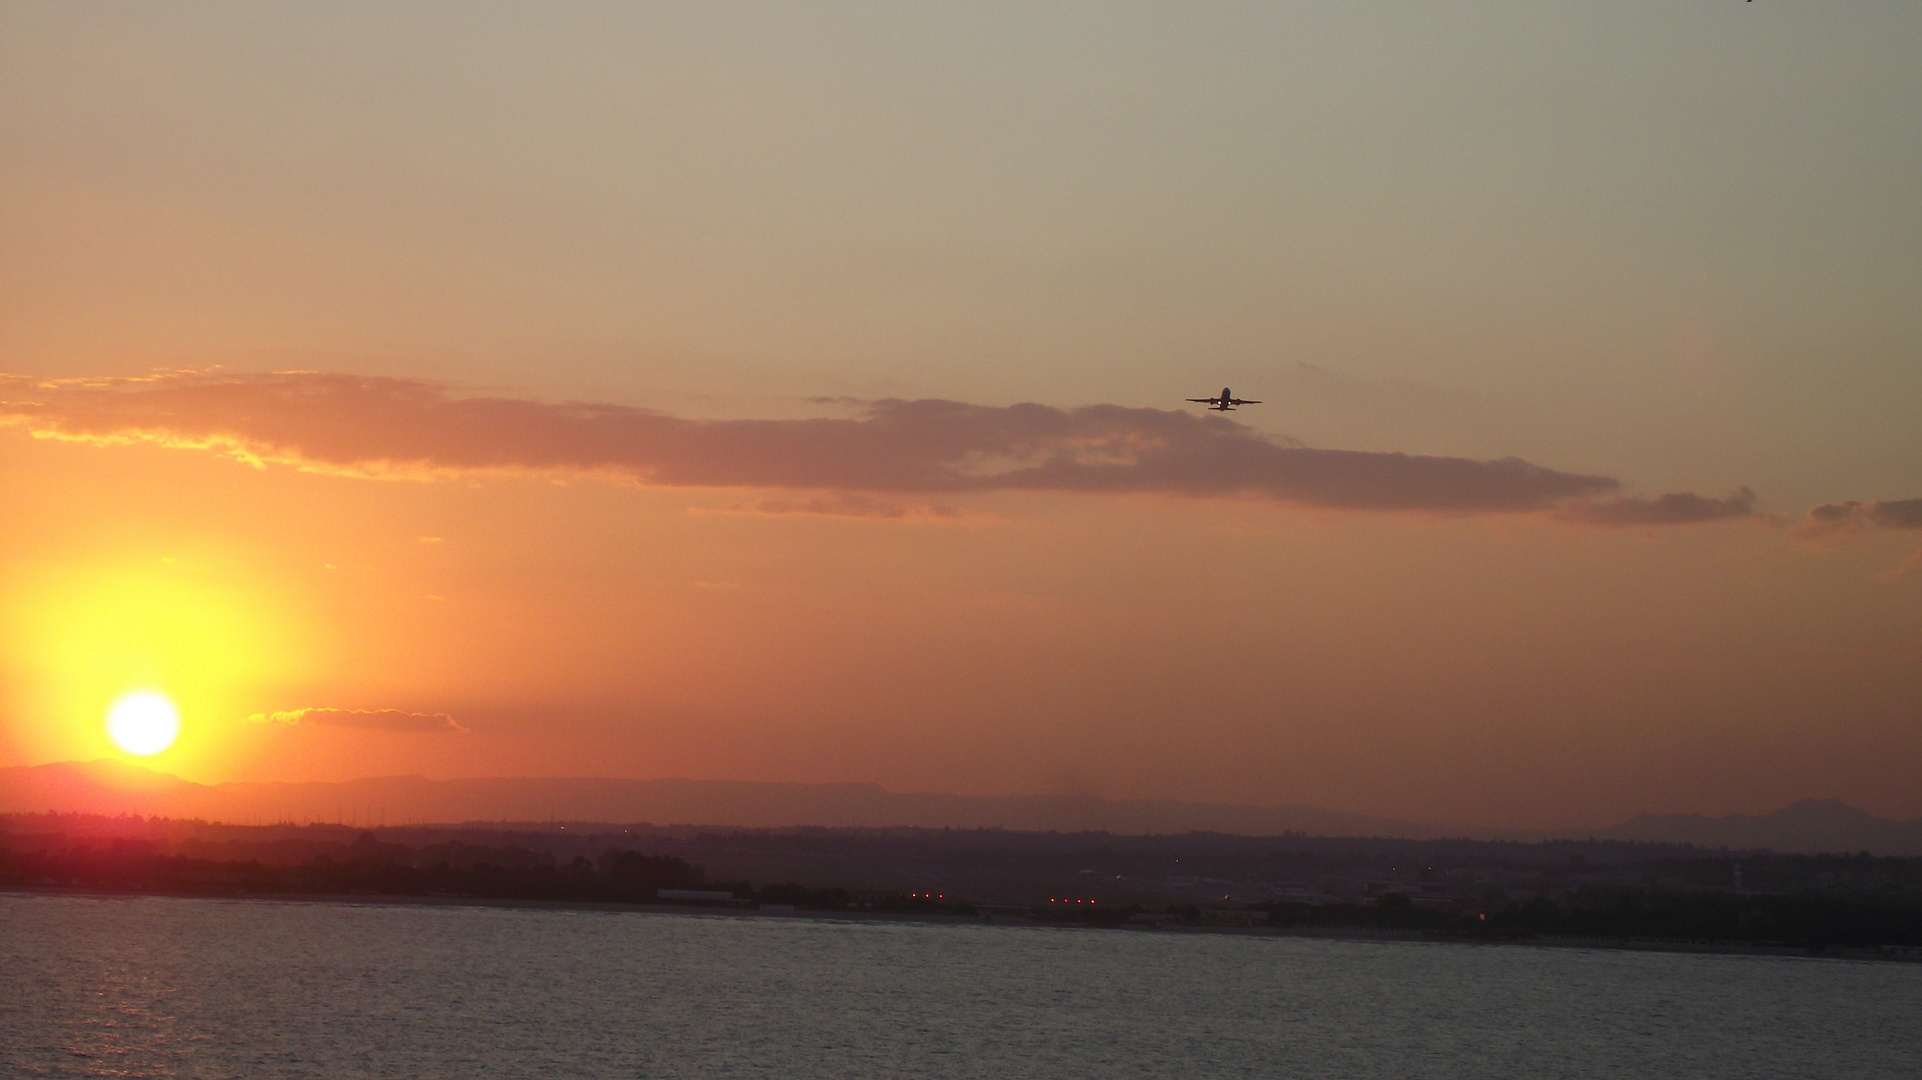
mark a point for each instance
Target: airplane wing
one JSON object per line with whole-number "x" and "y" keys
{"x": 1246, "y": 401}
{"x": 1204, "y": 400}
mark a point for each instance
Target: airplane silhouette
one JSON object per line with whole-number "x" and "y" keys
{"x": 1225, "y": 403}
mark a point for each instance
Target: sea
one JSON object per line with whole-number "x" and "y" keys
{"x": 164, "y": 987}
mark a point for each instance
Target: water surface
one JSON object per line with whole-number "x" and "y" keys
{"x": 212, "y": 988}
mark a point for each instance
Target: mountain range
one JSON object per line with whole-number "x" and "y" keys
{"x": 1810, "y": 826}
{"x": 112, "y": 787}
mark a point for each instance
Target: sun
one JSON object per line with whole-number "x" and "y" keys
{"x": 143, "y": 722}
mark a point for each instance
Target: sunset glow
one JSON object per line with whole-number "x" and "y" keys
{"x": 87, "y": 623}
{"x": 805, "y": 397}
{"x": 1005, "y": 527}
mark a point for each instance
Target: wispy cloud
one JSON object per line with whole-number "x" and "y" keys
{"x": 374, "y": 426}
{"x": 1906, "y": 568}
{"x": 1678, "y": 508}
{"x": 363, "y": 719}
{"x": 852, "y": 504}
{"x": 1879, "y": 514}
{"x": 1839, "y": 519}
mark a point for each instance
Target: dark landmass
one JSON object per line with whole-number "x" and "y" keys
{"x": 1479, "y": 890}
{"x": 111, "y": 787}
{"x": 1812, "y": 825}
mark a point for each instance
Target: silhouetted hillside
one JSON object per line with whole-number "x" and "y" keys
{"x": 103, "y": 788}
{"x": 1810, "y": 826}
{"x": 110, "y": 787}
{"x": 1486, "y": 889}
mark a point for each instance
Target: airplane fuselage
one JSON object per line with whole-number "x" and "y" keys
{"x": 1225, "y": 403}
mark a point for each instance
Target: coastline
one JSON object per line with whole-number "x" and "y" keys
{"x": 1877, "y": 954}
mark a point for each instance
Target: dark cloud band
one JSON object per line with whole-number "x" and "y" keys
{"x": 371, "y": 425}
{"x": 1879, "y": 514}
{"x": 1677, "y": 508}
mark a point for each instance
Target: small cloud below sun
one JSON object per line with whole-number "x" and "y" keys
{"x": 366, "y": 719}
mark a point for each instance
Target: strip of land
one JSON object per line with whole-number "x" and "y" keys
{"x": 1597, "y": 894}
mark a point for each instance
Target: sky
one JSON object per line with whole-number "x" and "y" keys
{"x": 796, "y": 392}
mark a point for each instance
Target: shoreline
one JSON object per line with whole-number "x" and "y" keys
{"x": 1899, "y": 954}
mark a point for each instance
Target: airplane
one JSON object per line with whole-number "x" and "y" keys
{"x": 1225, "y": 403}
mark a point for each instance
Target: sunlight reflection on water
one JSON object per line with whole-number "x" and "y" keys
{"x": 207, "y": 988}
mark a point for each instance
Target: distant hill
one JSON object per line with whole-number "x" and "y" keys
{"x": 112, "y": 787}
{"x": 108, "y": 787}
{"x": 1809, "y": 827}
{"x": 93, "y": 787}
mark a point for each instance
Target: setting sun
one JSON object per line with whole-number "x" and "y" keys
{"x": 143, "y": 723}
{"x": 82, "y": 637}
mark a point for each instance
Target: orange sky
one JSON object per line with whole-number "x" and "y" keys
{"x": 779, "y": 394}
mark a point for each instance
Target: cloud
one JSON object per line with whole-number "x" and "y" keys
{"x": 849, "y": 504}
{"x": 1850, "y": 516}
{"x": 1907, "y": 567}
{"x": 1879, "y": 514}
{"x": 1676, "y": 508}
{"x": 364, "y": 719}
{"x": 372, "y": 426}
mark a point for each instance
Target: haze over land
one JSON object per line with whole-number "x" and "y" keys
{"x": 110, "y": 788}
{"x": 792, "y": 398}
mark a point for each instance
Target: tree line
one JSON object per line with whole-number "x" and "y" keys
{"x": 376, "y": 869}
{"x": 1811, "y": 919}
